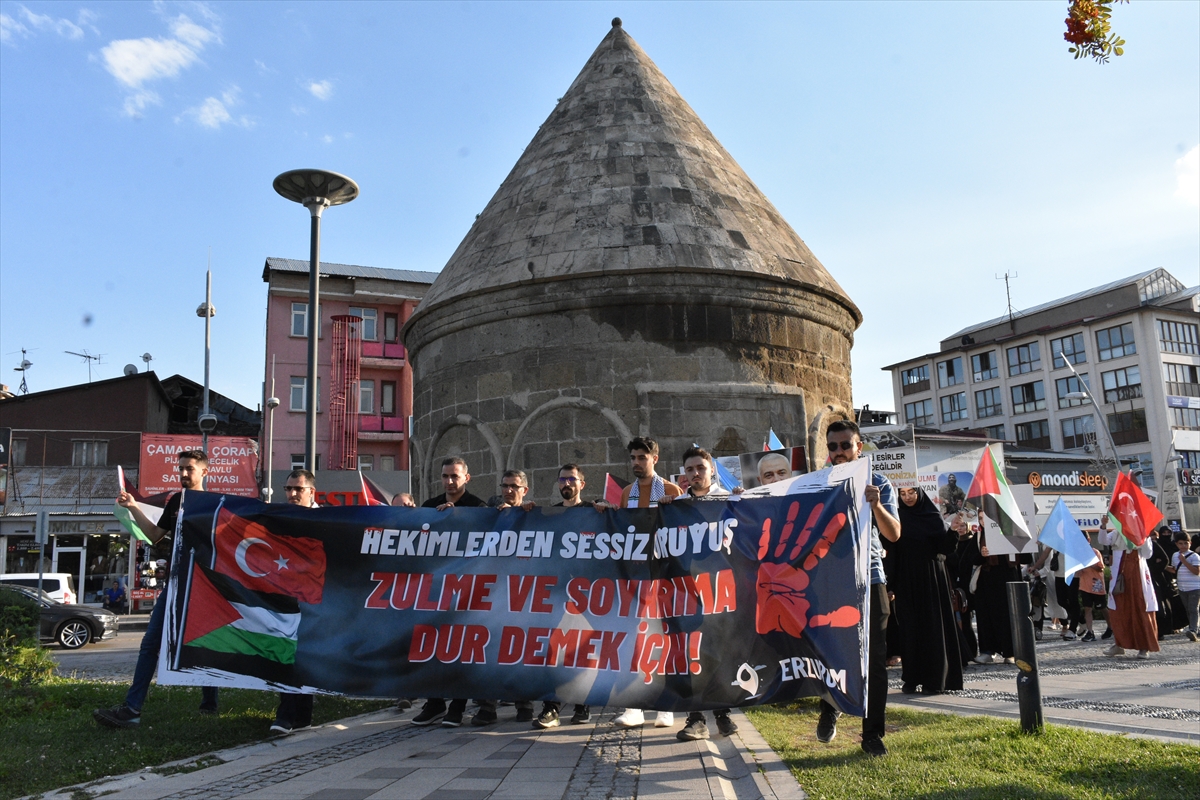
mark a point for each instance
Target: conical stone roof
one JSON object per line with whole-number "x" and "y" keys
{"x": 621, "y": 180}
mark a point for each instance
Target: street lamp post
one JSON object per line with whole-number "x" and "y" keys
{"x": 207, "y": 421}
{"x": 272, "y": 404}
{"x": 316, "y": 190}
{"x": 1086, "y": 394}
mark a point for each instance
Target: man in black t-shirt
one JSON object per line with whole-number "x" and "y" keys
{"x": 193, "y": 466}
{"x": 455, "y": 478}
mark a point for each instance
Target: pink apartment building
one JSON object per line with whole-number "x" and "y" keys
{"x": 364, "y": 379}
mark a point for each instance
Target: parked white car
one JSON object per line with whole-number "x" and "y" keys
{"x": 59, "y": 585}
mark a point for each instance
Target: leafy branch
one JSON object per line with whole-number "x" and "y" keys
{"x": 1089, "y": 29}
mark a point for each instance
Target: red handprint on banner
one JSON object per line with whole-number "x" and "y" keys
{"x": 782, "y": 584}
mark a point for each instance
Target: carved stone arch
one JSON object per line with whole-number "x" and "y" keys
{"x": 621, "y": 429}
{"x": 817, "y": 452}
{"x": 466, "y": 421}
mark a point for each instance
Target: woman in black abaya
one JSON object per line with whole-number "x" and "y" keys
{"x": 930, "y": 653}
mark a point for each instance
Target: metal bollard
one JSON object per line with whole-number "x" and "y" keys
{"x": 1029, "y": 692}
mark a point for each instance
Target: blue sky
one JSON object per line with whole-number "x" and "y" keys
{"x": 920, "y": 149}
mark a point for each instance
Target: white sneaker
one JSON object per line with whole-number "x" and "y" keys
{"x": 983, "y": 658}
{"x": 1143, "y": 654}
{"x": 630, "y": 718}
{"x": 1010, "y": 660}
{"x": 1056, "y": 626}
{"x": 1069, "y": 636}
{"x": 1114, "y": 650}
{"x": 665, "y": 719}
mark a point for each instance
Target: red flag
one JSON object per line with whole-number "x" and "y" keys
{"x": 258, "y": 559}
{"x": 1133, "y": 515}
{"x": 207, "y": 608}
{"x": 372, "y": 494}
{"x": 612, "y": 489}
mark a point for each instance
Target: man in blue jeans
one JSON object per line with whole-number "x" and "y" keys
{"x": 193, "y": 466}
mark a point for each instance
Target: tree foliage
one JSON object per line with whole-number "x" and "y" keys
{"x": 1089, "y": 30}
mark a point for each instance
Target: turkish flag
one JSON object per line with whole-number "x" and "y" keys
{"x": 258, "y": 559}
{"x": 1133, "y": 514}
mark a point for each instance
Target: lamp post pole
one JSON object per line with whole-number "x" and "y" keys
{"x": 207, "y": 421}
{"x": 316, "y": 190}
{"x": 1086, "y": 394}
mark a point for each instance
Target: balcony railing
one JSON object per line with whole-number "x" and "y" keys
{"x": 376, "y": 424}
{"x": 913, "y": 388}
{"x": 382, "y": 350}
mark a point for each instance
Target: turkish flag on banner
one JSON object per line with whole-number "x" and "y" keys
{"x": 258, "y": 559}
{"x": 1132, "y": 513}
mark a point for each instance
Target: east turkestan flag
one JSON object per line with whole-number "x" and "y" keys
{"x": 262, "y": 561}
{"x": 991, "y": 494}
{"x": 1062, "y": 533}
{"x": 1132, "y": 514}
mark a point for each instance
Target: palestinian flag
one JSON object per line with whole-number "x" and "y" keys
{"x": 1132, "y": 514}
{"x": 225, "y": 617}
{"x": 248, "y": 553}
{"x": 151, "y": 506}
{"x": 990, "y": 494}
{"x": 372, "y": 494}
{"x": 613, "y": 487}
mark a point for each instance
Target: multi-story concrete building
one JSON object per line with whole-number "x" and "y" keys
{"x": 1134, "y": 342}
{"x": 369, "y": 391}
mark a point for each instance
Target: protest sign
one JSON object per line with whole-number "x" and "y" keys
{"x": 892, "y": 454}
{"x": 770, "y": 466}
{"x": 232, "y": 463}
{"x": 693, "y": 605}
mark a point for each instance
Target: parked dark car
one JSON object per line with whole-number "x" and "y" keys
{"x": 72, "y": 626}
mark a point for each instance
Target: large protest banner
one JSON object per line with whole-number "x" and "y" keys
{"x": 691, "y": 605}
{"x": 232, "y": 463}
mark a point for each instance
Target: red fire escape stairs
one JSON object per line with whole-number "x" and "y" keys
{"x": 343, "y": 403}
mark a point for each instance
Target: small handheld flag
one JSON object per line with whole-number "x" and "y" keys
{"x": 990, "y": 493}
{"x": 1062, "y": 533}
{"x": 1132, "y": 514}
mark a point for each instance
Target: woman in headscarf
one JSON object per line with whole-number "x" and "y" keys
{"x": 930, "y": 655}
{"x": 1131, "y": 600}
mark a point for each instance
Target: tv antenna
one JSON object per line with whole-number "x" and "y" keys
{"x": 24, "y": 368}
{"x": 88, "y": 357}
{"x": 1012, "y": 312}
{"x": 147, "y": 358}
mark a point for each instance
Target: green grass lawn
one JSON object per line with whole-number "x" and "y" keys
{"x": 950, "y": 756}
{"x": 48, "y": 739}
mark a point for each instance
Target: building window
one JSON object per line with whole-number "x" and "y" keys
{"x": 1034, "y": 434}
{"x": 92, "y": 453}
{"x": 1115, "y": 342}
{"x": 1071, "y": 347}
{"x": 1185, "y": 418}
{"x": 370, "y": 318}
{"x": 984, "y": 366}
{"x": 1189, "y": 459}
{"x": 1078, "y": 432}
{"x": 366, "y": 397}
{"x": 950, "y": 373}
{"x": 994, "y": 432}
{"x": 1024, "y": 358}
{"x": 1143, "y": 469}
{"x": 387, "y": 398}
{"x": 1121, "y": 384}
{"x": 391, "y": 328}
{"x": 297, "y": 460}
{"x": 1183, "y": 380}
{"x": 988, "y": 403}
{"x": 919, "y": 413}
{"x": 1071, "y": 385}
{"x": 17, "y": 457}
{"x": 1029, "y": 397}
{"x": 954, "y": 406}
{"x": 387, "y": 463}
{"x": 915, "y": 380}
{"x": 299, "y": 319}
{"x": 1179, "y": 337}
{"x": 298, "y": 394}
{"x": 366, "y": 463}
{"x": 1129, "y": 426}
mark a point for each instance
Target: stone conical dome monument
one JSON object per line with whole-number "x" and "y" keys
{"x": 627, "y": 278}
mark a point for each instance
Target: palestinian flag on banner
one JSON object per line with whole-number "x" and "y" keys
{"x": 991, "y": 494}
{"x": 224, "y": 616}
{"x": 613, "y": 487}
{"x": 151, "y": 506}
{"x": 1132, "y": 514}
{"x": 261, "y": 561}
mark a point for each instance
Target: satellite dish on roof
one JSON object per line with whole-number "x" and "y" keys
{"x": 130, "y": 369}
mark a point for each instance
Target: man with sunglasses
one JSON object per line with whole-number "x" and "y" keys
{"x": 845, "y": 445}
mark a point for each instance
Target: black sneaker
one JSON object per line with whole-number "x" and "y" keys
{"x": 121, "y": 716}
{"x": 208, "y": 711}
{"x": 827, "y": 726}
{"x": 582, "y": 715}
{"x": 694, "y": 730}
{"x": 874, "y": 746}
{"x": 547, "y": 719}
{"x": 432, "y": 710}
{"x": 725, "y": 725}
{"x": 1088, "y": 637}
{"x": 281, "y": 727}
{"x": 453, "y": 718}
{"x": 481, "y": 718}
{"x": 1107, "y": 634}
{"x": 526, "y": 714}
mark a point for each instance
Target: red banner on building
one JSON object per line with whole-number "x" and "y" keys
{"x": 232, "y": 463}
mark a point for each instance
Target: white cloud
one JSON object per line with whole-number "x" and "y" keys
{"x": 1187, "y": 177}
{"x": 299, "y": 111}
{"x": 136, "y": 62}
{"x": 213, "y": 112}
{"x": 327, "y": 139}
{"x": 322, "y": 90}
{"x": 10, "y": 29}
{"x": 27, "y": 23}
